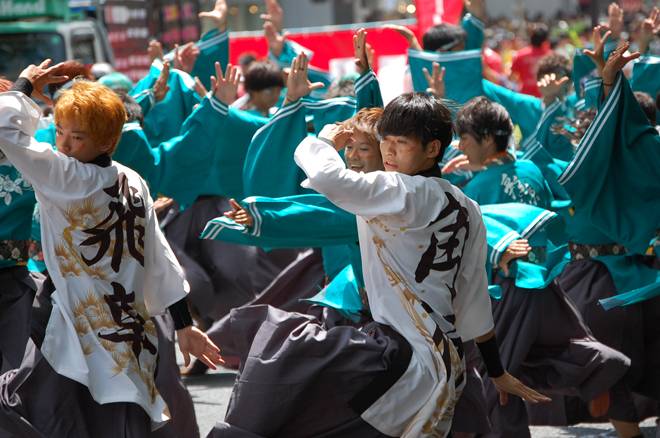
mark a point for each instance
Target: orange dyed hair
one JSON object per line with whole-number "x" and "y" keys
{"x": 97, "y": 107}
{"x": 365, "y": 121}
{"x": 5, "y": 85}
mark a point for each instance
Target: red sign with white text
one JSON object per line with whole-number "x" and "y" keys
{"x": 327, "y": 45}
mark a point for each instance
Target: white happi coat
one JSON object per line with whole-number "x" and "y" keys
{"x": 109, "y": 262}
{"x": 423, "y": 247}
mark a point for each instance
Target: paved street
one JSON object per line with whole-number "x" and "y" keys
{"x": 211, "y": 394}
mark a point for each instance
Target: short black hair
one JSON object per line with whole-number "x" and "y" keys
{"x": 133, "y": 109}
{"x": 246, "y": 59}
{"x": 442, "y": 34}
{"x": 261, "y": 75}
{"x": 480, "y": 117}
{"x": 648, "y": 106}
{"x": 554, "y": 63}
{"x": 540, "y": 35}
{"x": 419, "y": 116}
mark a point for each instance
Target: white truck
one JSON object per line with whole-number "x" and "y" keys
{"x": 33, "y": 30}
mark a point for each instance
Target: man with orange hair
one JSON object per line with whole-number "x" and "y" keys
{"x": 93, "y": 351}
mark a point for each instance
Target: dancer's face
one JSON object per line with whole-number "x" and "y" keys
{"x": 408, "y": 155}
{"x": 363, "y": 154}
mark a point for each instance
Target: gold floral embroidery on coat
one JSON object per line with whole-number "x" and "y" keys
{"x": 439, "y": 423}
{"x": 117, "y": 323}
{"x": 93, "y": 322}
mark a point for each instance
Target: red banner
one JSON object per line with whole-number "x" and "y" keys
{"x": 327, "y": 46}
{"x": 432, "y": 12}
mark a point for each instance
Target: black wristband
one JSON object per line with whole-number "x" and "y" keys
{"x": 490, "y": 353}
{"x": 24, "y": 86}
{"x": 180, "y": 314}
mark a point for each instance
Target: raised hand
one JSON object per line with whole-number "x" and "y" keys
{"x": 224, "y": 88}
{"x": 371, "y": 55}
{"x": 406, "y": 33}
{"x": 516, "y": 249}
{"x": 436, "y": 81}
{"x": 361, "y": 51}
{"x": 218, "y": 15}
{"x": 160, "y": 87}
{"x": 275, "y": 40}
{"x": 274, "y": 14}
{"x": 551, "y": 88}
{"x": 42, "y": 75}
{"x": 298, "y": 85}
{"x": 193, "y": 341}
{"x": 507, "y": 384}
{"x": 155, "y": 51}
{"x": 185, "y": 57}
{"x": 476, "y": 8}
{"x": 650, "y": 28}
{"x": 240, "y": 215}
{"x": 614, "y": 20}
{"x": 615, "y": 63}
{"x": 339, "y": 135}
{"x": 597, "y": 55}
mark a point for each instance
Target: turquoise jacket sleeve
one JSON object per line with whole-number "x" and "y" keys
{"x": 269, "y": 166}
{"x": 226, "y": 178}
{"x": 462, "y": 72}
{"x": 557, "y": 145}
{"x": 475, "y": 30}
{"x": 614, "y": 176}
{"x": 213, "y": 47}
{"x": 149, "y": 80}
{"x": 367, "y": 91}
{"x": 146, "y": 99}
{"x": 134, "y": 151}
{"x": 164, "y": 121}
{"x": 328, "y": 111}
{"x": 288, "y": 222}
{"x": 499, "y": 236}
{"x": 525, "y": 111}
{"x": 591, "y": 90}
{"x": 183, "y": 164}
{"x": 646, "y": 76}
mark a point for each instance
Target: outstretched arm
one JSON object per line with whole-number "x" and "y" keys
{"x": 408, "y": 34}
{"x": 504, "y": 382}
